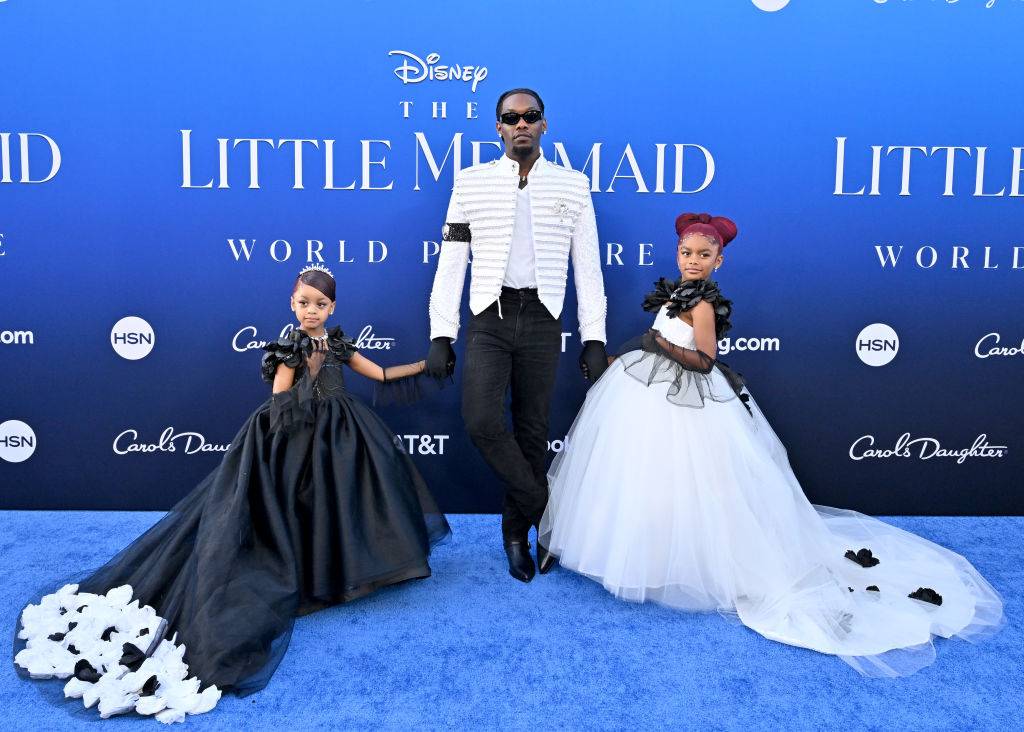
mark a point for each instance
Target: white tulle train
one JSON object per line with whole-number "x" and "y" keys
{"x": 698, "y": 508}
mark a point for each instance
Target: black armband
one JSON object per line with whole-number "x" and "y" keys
{"x": 456, "y": 232}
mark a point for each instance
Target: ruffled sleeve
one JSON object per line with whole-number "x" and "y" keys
{"x": 343, "y": 347}
{"x": 287, "y": 350}
{"x": 683, "y": 295}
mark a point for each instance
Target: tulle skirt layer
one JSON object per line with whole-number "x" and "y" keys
{"x": 698, "y": 508}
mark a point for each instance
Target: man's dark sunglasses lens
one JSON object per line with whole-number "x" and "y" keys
{"x": 512, "y": 118}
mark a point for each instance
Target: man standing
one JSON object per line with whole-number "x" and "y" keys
{"x": 522, "y": 217}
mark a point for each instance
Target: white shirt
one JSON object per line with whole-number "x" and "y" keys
{"x": 521, "y": 270}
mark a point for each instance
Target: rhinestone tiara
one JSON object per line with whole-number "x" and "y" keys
{"x": 318, "y": 268}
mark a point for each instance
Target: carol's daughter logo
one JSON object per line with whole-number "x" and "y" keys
{"x": 924, "y": 448}
{"x": 989, "y": 346}
{"x": 170, "y": 441}
{"x": 414, "y": 70}
{"x": 247, "y": 339}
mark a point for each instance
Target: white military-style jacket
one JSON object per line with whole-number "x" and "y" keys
{"x": 480, "y": 219}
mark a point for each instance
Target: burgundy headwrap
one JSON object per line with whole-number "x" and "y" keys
{"x": 718, "y": 228}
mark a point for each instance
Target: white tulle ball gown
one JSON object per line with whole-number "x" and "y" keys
{"x": 674, "y": 489}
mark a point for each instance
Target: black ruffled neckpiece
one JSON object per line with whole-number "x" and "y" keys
{"x": 683, "y": 295}
{"x": 292, "y": 349}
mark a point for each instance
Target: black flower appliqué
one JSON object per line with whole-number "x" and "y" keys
{"x": 926, "y": 594}
{"x": 863, "y": 557}
{"x": 287, "y": 350}
{"x": 132, "y": 656}
{"x": 85, "y": 672}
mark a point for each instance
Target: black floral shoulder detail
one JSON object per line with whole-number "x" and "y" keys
{"x": 341, "y": 345}
{"x": 288, "y": 350}
{"x": 926, "y": 594}
{"x": 683, "y": 295}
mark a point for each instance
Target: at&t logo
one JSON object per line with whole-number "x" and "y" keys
{"x": 17, "y": 441}
{"x": 423, "y": 444}
{"x": 132, "y": 338}
{"x": 877, "y": 344}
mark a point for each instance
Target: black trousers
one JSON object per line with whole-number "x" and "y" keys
{"x": 517, "y": 351}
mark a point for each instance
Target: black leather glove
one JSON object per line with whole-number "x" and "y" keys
{"x": 593, "y": 360}
{"x": 441, "y": 358}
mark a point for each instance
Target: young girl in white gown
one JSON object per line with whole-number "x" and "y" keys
{"x": 674, "y": 488}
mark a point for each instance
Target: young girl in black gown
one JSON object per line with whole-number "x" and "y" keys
{"x": 314, "y": 504}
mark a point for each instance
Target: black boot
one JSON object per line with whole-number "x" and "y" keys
{"x": 520, "y": 563}
{"x": 546, "y": 561}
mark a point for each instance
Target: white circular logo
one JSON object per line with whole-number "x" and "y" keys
{"x": 132, "y": 338}
{"x": 770, "y": 6}
{"x": 17, "y": 441}
{"x": 877, "y": 344}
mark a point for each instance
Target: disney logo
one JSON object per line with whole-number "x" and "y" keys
{"x": 127, "y": 442}
{"x": 996, "y": 349}
{"x": 414, "y": 70}
{"x": 927, "y": 448}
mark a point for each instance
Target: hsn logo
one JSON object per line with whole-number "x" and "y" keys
{"x": 132, "y": 338}
{"x": 877, "y": 344}
{"x": 17, "y": 441}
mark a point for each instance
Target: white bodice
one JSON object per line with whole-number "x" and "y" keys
{"x": 675, "y": 330}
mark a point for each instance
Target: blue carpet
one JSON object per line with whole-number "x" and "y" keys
{"x": 470, "y": 648}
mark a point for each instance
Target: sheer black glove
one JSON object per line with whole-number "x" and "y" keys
{"x": 593, "y": 360}
{"x": 441, "y": 358}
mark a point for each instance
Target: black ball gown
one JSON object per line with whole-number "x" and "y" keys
{"x": 314, "y": 504}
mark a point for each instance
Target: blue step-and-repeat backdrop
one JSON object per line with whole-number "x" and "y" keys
{"x": 167, "y": 168}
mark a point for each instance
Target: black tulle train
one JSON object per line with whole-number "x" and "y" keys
{"x": 286, "y": 524}
{"x": 314, "y": 504}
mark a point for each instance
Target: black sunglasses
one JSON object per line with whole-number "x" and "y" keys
{"x": 512, "y": 118}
